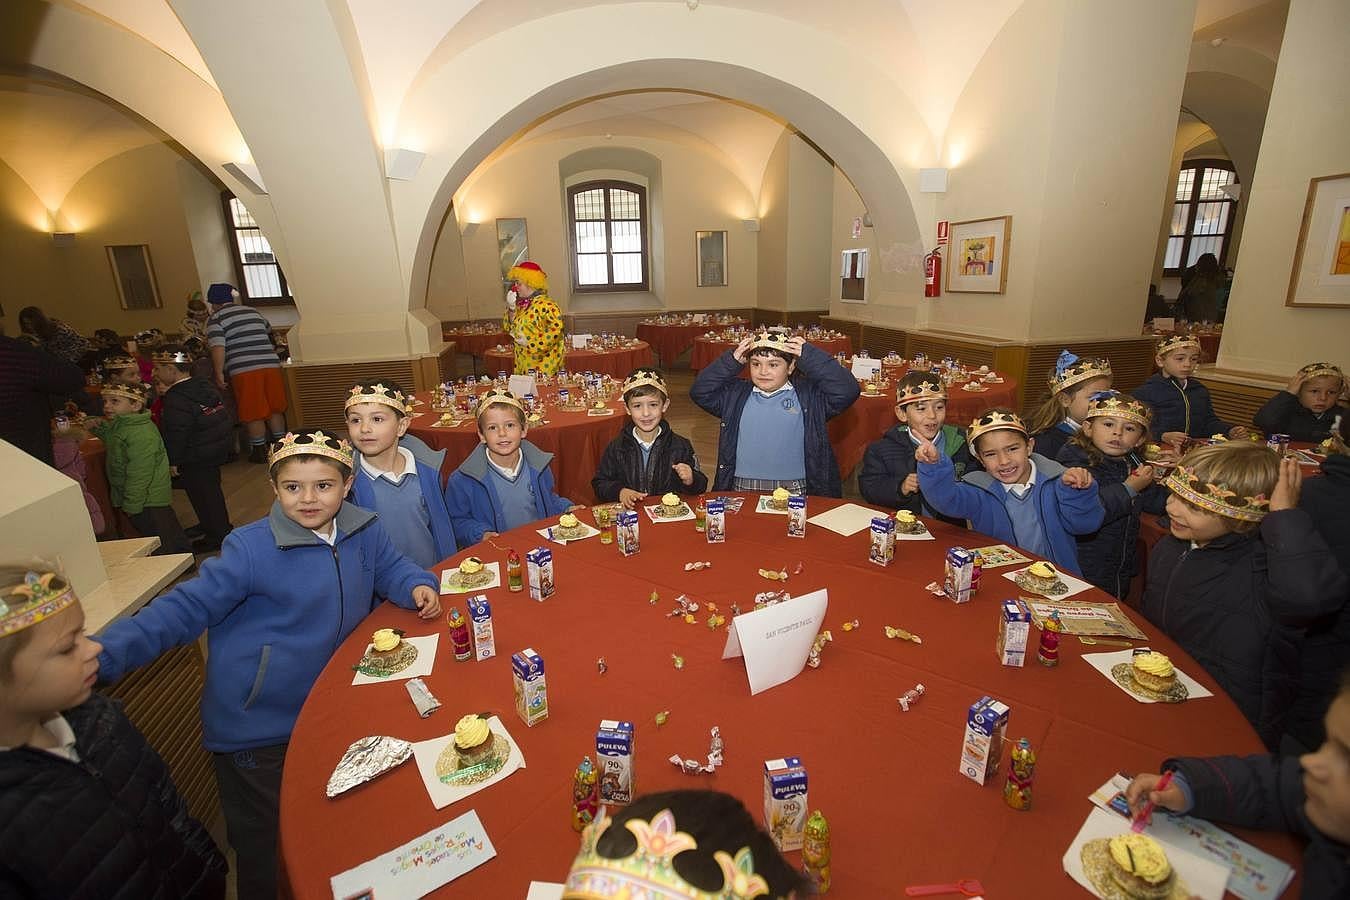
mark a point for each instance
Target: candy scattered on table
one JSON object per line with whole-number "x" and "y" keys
{"x": 813, "y": 658}
{"x": 716, "y": 621}
{"x": 654, "y": 599}
{"x": 910, "y": 696}
{"x": 849, "y": 626}
{"x": 697, "y": 566}
{"x": 903, "y": 635}
{"x": 767, "y": 598}
{"x": 677, "y": 660}
{"x": 600, "y": 666}
{"x": 689, "y": 618}
{"x": 799, "y": 568}
{"x": 662, "y": 717}
{"x": 715, "y": 752}
{"x": 772, "y": 575}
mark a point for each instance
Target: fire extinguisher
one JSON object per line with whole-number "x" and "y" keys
{"x": 932, "y": 273}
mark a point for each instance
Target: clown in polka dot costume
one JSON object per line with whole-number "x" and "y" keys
{"x": 533, "y": 320}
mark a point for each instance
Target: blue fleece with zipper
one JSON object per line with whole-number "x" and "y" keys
{"x": 276, "y": 604}
{"x": 429, "y": 477}
{"x": 1063, "y": 511}
{"x": 473, "y": 501}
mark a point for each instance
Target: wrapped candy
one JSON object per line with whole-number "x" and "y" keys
{"x": 697, "y": 566}
{"x": 662, "y": 717}
{"x": 714, "y": 759}
{"x": 816, "y": 852}
{"x": 585, "y": 794}
{"x": 774, "y": 575}
{"x": 902, "y": 634}
{"x": 849, "y": 626}
{"x": 716, "y": 621}
{"x": 813, "y": 658}
{"x": 765, "y": 598}
{"x": 677, "y": 660}
{"x": 1021, "y": 769}
{"x": 601, "y": 666}
{"x": 910, "y": 697}
{"x": 715, "y": 747}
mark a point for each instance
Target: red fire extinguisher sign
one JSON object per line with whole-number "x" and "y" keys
{"x": 942, "y": 233}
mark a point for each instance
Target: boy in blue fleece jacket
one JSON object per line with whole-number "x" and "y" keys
{"x": 1021, "y": 497}
{"x": 398, "y": 476}
{"x": 505, "y": 482}
{"x": 283, "y": 594}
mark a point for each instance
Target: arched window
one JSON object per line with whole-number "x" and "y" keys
{"x": 1202, "y": 216}
{"x": 608, "y": 222}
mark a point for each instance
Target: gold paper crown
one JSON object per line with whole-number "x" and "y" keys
{"x": 1176, "y": 342}
{"x": 644, "y": 378}
{"x": 128, "y": 391}
{"x": 924, "y": 390}
{"x": 38, "y": 598}
{"x": 1216, "y": 498}
{"x": 1317, "y": 369}
{"x": 120, "y": 361}
{"x": 378, "y": 393}
{"x": 310, "y": 443}
{"x": 176, "y": 356}
{"x": 1082, "y": 369}
{"x": 649, "y": 872}
{"x": 994, "y": 420}
{"x": 499, "y": 395}
{"x": 774, "y": 340}
{"x": 1120, "y": 406}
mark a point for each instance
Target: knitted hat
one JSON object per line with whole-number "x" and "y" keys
{"x": 530, "y": 275}
{"x": 221, "y": 293}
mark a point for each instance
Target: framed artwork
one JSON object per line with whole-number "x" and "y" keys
{"x": 134, "y": 276}
{"x": 513, "y": 244}
{"x": 712, "y": 258}
{"x": 1321, "y": 273}
{"x": 853, "y": 276}
{"x": 978, "y": 259}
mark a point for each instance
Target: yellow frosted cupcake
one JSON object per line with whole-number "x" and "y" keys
{"x": 1042, "y": 578}
{"x": 1153, "y": 671}
{"x": 780, "y": 498}
{"x": 908, "y": 523}
{"x": 1139, "y": 866}
{"x": 472, "y": 573}
{"x": 569, "y": 526}
{"x": 473, "y": 740}
{"x": 388, "y": 655}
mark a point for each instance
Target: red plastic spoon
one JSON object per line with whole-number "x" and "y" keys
{"x": 969, "y": 886}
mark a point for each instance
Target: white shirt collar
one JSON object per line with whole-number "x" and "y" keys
{"x": 786, "y": 387}
{"x": 514, "y": 470}
{"x": 1020, "y": 490}
{"x": 409, "y": 466}
{"x": 1073, "y": 424}
{"x": 646, "y": 445}
{"x": 60, "y": 729}
{"x": 331, "y": 537}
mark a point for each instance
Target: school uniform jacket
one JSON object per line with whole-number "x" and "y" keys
{"x": 889, "y": 461}
{"x": 429, "y": 477}
{"x": 473, "y": 503}
{"x": 1052, "y": 440}
{"x": 1283, "y": 414}
{"x": 197, "y": 428}
{"x": 621, "y": 466}
{"x": 1187, "y": 409}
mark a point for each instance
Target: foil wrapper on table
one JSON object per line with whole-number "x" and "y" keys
{"x": 422, "y": 697}
{"x": 366, "y": 759}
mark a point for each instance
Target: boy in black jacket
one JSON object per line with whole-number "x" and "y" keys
{"x": 197, "y": 432}
{"x": 650, "y": 459}
{"x": 1306, "y": 795}
{"x": 1307, "y": 407}
{"x": 1182, "y": 407}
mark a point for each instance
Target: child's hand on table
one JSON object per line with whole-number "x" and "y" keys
{"x": 427, "y": 600}
{"x": 685, "y": 472}
{"x": 630, "y": 498}
{"x": 1077, "y": 477}
{"x": 1287, "y": 486}
{"x": 1140, "y": 791}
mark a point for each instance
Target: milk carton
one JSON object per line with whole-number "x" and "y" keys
{"x": 1014, "y": 626}
{"x": 614, "y": 752}
{"x": 539, "y": 570}
{"x": 480, "y": 625}
{"x": 626, "y": 530}
{"x": 960, "y": 570}
{"x": 882, "y": 550}
{"x": 715, "y": 521}
{"x": 785, "y": 801}
{"x": 796, "y": 517}
{"x": 527, "y": 676}
{"x": 982, "y": 747}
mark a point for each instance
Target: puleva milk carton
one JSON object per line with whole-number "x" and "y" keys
{"x": 527, "y": 675}
{"x": 715, "y": 521}
{"x": 539, "y": 571}
{"x": 1014, "y": 627}
{"x": 480, "y": 625}
{"x": 957, "y": 578}
{"x": 627, "y": 528}
{"x": 882, "y": 549}
{"x": 785, "y": 801}
{"x": 614, "y": 751}
{"x": 796, "y": 525}
{"x": 982, "y": 747}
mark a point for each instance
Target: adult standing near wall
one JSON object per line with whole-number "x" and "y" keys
{"x": 533, "y": 320}
{"x": 29, "y": 377}
{"x": 245, "y": 362}
{"x": 55, "y": 336}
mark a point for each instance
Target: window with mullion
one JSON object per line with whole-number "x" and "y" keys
{"x": 1202, "y": 215}
{"x": 608, "y": 235}
{"x": 260, "y": 279}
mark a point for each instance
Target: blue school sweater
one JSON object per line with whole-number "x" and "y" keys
{"x": 474, "y": 505}
{"x": 442, "y": 535}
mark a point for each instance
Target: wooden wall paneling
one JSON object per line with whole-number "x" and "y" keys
{"x": 1236, "y": 401}
{"x": 804, "y": 318}
{"x": 317, "y": 392}
{"x": 880, "y": 341}
{"x": 1011, "y": 361}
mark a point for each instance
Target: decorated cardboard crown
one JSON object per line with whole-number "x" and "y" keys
{"x": 499, "y": 396}
{"x": 928, "y": 389}
{"x": 649, "y": 871}
{"x": 644, "y": 378}
{"x": 139, "y": 392}
{"x": 1216, "y": 498}
{"x": 41, "y": 596}
{"x": 1120, "y": 406}
{"x": 378, "y": 393}
{"x": 1175, "y": 342}
{"x": 315, "y": 442}
{"x": 161, "y": 357}
{"x": 1071, "y": 369}
{"x": 118, "y": 361}
{"x": 995, "y": 420}
{"x": 1318, "y": 369}
{"x": 774, "y": 340}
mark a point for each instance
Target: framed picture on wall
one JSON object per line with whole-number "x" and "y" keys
{"x": 513, "y": 244}
{"x": 977, "y": 261}
{"x": 134, "y": 276}
{"x": 1321, "y": 273}
{"x": 853, "y": 275}
{"x": 712, "y": 258}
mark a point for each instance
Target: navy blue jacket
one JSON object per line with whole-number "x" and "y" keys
{"x": 1266, "y": 792}
{"x": 429, "y": 476}
{"x": 197, "y": 428}
{"x": 1108, "y": 555}
{"x": 1052, "y": 440}
{"x": 473, "y": 504}
{"x": 276, "y": 604}
{"x": 621, "y": 466}
{"x": 1064, "y": 511}
{"x": 1175, "y": 408}
{"x": 1283, "y": 414}
{"x": 824, "y": 390}
{"x": 890, "y": 460}
{"x": 1240, "y": 605}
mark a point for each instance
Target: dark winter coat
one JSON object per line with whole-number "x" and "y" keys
{"x": 1108, "y": 555}
{"x": 890, "y": 460}
{"x": 621, "y": 466}
{"x": 1240, "y": 605}
{"x": 196, "y": 426}
{"x": 824, "y": 390}
{"x": 1175, "y": 408}
{"x": 1266, "y": 792}
{"x": 1283, "y": 414}
{"x": 1052, "y": 440}
{"x": 28, "y": 379}
{"x": 111, "y": 826}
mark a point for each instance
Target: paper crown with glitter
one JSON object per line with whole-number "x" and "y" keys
{"x": 928, "y": 389}
{"x": 774, "y": 340}
{"x": 1318, "y": 369}
{"x": 120, "y": 361}
{"x": 649, "y": 871}
{"x": 644, "y": 378}
{"x": 496, "y": 396}
{"x": 994, "y": 420}
{"x": 1216, "y": 498}
{"x": 1175, "y": 342}
{"x": 379, "y": 393}
{"x": 171, "y": 356}
{"x": 1120, "y": 406}
{"x": 315, "y": 442}
{"x": 126, "y": 391}
{"x": 1071, "y": 369}
{"x": 39, "y": 597}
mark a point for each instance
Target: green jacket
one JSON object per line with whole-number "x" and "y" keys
{"x": 138, "y": 466}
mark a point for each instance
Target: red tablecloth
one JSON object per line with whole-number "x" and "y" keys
{"x": 577, "y": 440}
{"x": 707, "y": 349}
{"x": 615, "y": 363}
{"x": 96, "y": 480}
{"x": 669, "y": 341}
{"x": 875, "y": 771}
{"x": 476, "y": 343}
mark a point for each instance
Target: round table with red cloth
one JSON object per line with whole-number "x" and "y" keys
{"x": 669, "y": 341}
{"x": 577, "y": 440}
{"x": 616, "y": 363}
{"x": 475, "y": 343}
{"x": 707, "y": 349}
{"x": 888, "y": 781}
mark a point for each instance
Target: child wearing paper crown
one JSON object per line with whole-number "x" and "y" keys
{"x": 533, "y": 320}
{"x": 284, "y": 592}
{"x": 1241, "y": 575}
{"x": 396, "y": 474}
{"x": 1307, "y": 407}
{"x": 773, "y": 426}
{"x": 87, "y": 807}
{"x": 198, "y": 433}
{"x": 649, "y": 459}
{"x": 1181, "y": 405}
{"x": 1114, "y": 425}
{"x": 1021, "y": 497}
{"x": 1307, "y": 795}
{"x": 890, "y": 475}
{"x": 505, "y": 482}
{"x": 1071, "y": 382}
